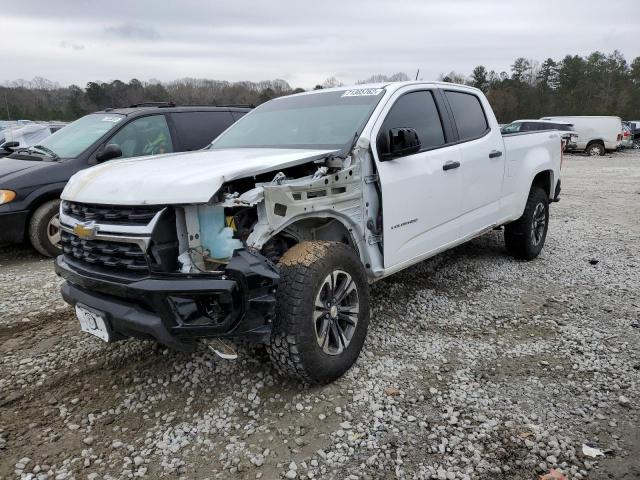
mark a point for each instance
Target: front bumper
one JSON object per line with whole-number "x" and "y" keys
{"x": 178, "y": 309}
{"x": 13, "y": 226}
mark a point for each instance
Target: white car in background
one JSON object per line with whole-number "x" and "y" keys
{"x": 596, "y": 134}
{"x": 13, "y": 138}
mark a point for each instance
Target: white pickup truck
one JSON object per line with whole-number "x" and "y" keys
{"x": 274, "y": 232}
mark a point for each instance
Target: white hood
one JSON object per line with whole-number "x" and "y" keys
{"x": 175, "y": 178}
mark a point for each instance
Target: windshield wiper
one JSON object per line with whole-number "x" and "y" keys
{"x": 46, "y": 150}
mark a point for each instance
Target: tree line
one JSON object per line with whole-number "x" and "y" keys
{"x": 598, "y": 84}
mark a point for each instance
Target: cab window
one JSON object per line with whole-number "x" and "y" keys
{"x": 468, "y": 114}
{"x": 144, "y": 136}
{"x": 417, "y": 110}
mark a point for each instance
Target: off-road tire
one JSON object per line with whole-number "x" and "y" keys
{"x": 38, "y": 225}
{"x": 592, "y": 147}
{"x": 294, "y": 348}
{"x": 518, "y": 236}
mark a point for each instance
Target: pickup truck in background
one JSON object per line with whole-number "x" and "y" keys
{"x": 275, "y": 231}
{"x": 597, "y": 135}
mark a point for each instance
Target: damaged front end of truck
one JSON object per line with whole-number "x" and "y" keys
{"x": 190, "y": 250}
{"x": 181, "y": 273}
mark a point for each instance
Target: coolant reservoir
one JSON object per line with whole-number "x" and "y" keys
{"x": 214, "y": 235}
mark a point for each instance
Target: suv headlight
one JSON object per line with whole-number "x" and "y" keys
{"x": 6, "y": 196}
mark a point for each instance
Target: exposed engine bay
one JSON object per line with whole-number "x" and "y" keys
{"x": 270, "y": 212}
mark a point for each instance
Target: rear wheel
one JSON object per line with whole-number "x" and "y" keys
{"x": 44, "y": 229}
{"x": 595, "y": 150}
{"x": 322, "y": 312}
{"x": 525, "y": 237}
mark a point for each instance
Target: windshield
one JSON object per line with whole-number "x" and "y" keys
{"x": 72, "y": 140}
{"x": 324, "y": 120}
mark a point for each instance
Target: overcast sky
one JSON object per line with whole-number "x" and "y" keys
{"x": 300, "y": 41}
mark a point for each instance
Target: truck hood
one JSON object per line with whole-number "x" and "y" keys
{"x": 177, "y": 178}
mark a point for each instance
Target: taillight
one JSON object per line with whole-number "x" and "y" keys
{"x": 626, "y": 134}
{"x": 619, "y": 136}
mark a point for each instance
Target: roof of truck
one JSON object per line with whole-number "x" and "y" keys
{"x": 387, "y": 85}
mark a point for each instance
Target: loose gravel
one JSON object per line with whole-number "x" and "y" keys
{"x": 477, "y": 366}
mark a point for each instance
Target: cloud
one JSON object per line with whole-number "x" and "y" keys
{"x": 132, "y": 31}
{"x": 301, "y": 42}
{"x": 71, "y": 45}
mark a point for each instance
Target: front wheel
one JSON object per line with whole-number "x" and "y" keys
{"x": 44, "y": 229}
{"x": 525, "y": 237}
{"x": 322, "y": 312}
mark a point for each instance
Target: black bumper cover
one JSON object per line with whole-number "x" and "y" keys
{"x": 178, "y": 309}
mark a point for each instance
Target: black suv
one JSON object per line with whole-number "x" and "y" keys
{"x": 32, "y": 179}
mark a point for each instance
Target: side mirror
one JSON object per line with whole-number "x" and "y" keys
{"x": 109, "y": 152}
{"x": 397, "y": 142}
{"x": 9, "y": 146}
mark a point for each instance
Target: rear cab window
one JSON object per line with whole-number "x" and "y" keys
{"x": 468, "y": 114}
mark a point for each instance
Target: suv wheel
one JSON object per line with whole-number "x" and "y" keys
{"x": 322, "y": 312}
{"x": 525, "y": 237}
{"x": 44, "y": 229}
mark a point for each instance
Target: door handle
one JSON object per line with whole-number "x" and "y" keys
{"x": 495, "y": 154}
{"x": 450, "y": 165}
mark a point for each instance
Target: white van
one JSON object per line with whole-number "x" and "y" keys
{"x": 596, "y": 135}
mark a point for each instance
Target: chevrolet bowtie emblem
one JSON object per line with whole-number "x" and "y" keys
{"x": 86, "y": 230}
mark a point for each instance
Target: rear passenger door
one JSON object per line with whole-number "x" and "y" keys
{"x": 196, "y": 130}
{"x": 483, "y": 160}
{"x": 420, "y": 198}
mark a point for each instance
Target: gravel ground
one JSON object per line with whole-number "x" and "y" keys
{"x": 476, "y": 366}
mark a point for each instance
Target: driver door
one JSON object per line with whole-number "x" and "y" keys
{"x": 421, "y": 192}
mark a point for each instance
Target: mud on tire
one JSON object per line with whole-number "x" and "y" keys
{"x": 307, "y": 272}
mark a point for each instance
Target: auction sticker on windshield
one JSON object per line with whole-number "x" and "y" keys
{"x": 111, "y": 119}
{"x": 93, "y": 322}
{"x": 362, "y": 92}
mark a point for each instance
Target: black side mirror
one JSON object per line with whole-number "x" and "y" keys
{"x": 109, "y": 152}
{"x": 397, "y": 142}
{"x": 9, "y": 146}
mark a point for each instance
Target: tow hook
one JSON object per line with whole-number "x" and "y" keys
{"x": 220, "y": 348}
